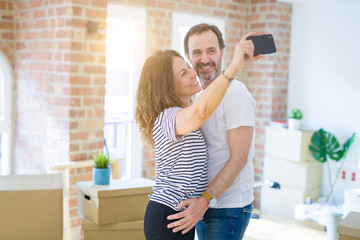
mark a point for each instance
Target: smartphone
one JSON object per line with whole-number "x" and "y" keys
{"x": 264, "y": 44}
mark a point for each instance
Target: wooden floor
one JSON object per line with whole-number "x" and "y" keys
{"x": 269, "y": 227}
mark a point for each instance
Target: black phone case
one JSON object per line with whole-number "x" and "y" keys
{"x": 264, "y": 44}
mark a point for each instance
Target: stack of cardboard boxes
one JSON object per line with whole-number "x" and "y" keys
{"x": 114, "y": 211}
{"x": 287, "y": 161}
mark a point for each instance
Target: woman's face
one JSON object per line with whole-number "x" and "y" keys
{"x": 186, "y": 83}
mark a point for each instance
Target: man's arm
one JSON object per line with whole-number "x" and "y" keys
{"x": 239, "y": 140}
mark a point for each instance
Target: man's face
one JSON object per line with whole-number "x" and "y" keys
{"x": 205, "y": 55}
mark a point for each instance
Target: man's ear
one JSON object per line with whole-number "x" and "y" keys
{"x": 187, "y": 56}
{"x": 222, "y": 53}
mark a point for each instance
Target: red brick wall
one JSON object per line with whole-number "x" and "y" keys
{"x": 7, "y": 30}
{"x": 60, "y": 87}
{"x": 41, "y": 77}
{"x": 60, "y": 76}
{"x": 86, "y": 59}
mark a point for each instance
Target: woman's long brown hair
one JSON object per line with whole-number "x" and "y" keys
{"x": 155, "y": 92}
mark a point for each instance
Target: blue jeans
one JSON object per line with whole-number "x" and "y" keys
{"x": 224, "y": 223}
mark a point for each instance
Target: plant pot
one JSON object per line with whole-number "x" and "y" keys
{"x": 101, "y": 176}
{"x": 294, "y": 124}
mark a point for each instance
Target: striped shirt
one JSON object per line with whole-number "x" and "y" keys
{"x": 181, "y": 163}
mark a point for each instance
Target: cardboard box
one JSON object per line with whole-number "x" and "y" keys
{"x": 282, "y": 201}
{"x": 351, "y": 200}
{"x": 31, "y": 207}
{"x": 349, "y": 227}
{"x": 299, "y": 175}
{"x": 344, "y": 237}
{"x": 121, "y": 201}
{"x": 121, "y": 230}
{"x": 291, "y": 145}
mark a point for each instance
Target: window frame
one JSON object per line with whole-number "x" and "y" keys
{"x": 138, "y": 15}
{"x": 6, "y": 79}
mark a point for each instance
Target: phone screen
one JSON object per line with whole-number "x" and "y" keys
{"x": 264, "y": 44}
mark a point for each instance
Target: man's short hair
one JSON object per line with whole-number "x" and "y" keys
{"x": 203, "y": 27}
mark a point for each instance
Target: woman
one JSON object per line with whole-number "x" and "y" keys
{"x": 169, "y": 122}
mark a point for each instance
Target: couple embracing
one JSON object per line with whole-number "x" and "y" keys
{"x": 203, "y": 147}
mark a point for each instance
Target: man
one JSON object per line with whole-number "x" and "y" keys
{"x": 229, "y": 133}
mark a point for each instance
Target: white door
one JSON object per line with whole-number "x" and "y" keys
{"x": 125, "y": 52}
{"x": 6, "y": 79}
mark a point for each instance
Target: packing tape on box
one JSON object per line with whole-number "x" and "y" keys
{"x": 31, "y": 182}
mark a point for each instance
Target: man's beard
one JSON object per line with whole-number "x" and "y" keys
{"x": 213, "y": 75}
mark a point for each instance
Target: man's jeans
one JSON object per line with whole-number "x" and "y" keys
{"x": 224, "y": 223}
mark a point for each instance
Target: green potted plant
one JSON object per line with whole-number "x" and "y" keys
{"x": 324, "y": 145}
{"x": 294, "y": 119}
{"x": 101, "y": 169}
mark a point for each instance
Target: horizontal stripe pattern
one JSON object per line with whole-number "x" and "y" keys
{"x": 181, "y": 163}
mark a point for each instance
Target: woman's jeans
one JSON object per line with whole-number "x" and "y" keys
{"x": 224, "y": 223}
{"x": 155, "y": 224}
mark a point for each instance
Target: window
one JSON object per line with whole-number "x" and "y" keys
{"x": 5, "y": 115}
{"x": 125, "y": 52}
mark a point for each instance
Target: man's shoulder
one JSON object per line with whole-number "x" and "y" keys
{"x": 237, "y": 84}
{"x": 238, "y": 89}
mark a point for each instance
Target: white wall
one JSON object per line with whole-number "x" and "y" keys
{"x": 324, "y": 77}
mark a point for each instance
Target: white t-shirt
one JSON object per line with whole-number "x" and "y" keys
{"x": 236, "y": 109}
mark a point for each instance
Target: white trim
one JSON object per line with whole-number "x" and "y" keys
{"x": 300, "y": 1}
{"x": 6, "y": 79}
{"x": 138, "y": 15}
